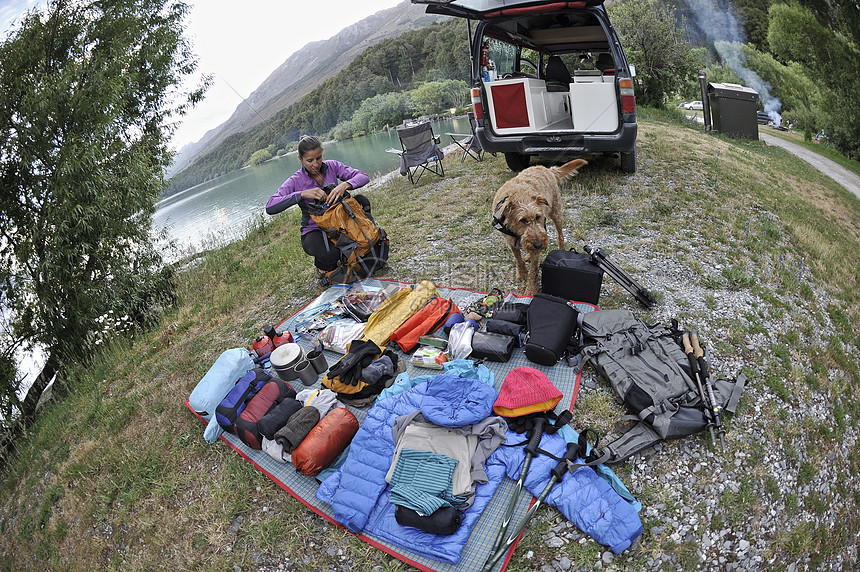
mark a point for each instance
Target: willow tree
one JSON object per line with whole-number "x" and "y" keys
{"x": 88, "y": 91}
{"x": 655, "y": 44}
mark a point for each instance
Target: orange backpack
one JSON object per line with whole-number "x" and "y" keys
{"x": 362, "y": 243}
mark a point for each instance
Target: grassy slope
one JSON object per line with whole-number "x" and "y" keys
{"x": 115, "y": 475}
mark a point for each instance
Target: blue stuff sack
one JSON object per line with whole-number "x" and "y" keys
{"x": 232, "y": 406}
{"x": 218, "y": 381}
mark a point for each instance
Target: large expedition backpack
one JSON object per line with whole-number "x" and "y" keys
{"x": 363, "y": 244}
{"x": 650, "y": 372}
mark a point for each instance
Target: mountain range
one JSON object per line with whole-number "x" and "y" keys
{"x": 304, "y": 70}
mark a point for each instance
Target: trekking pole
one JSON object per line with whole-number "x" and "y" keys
{"x": 573, "y": 450}
{"x": 703, "y": 368}
{"x": 619, "y": 275}
{"x": 694, "y": 369}
{"x": 531, "y": 451}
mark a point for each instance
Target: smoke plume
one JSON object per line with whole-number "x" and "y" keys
{"x": 715, "y": 20}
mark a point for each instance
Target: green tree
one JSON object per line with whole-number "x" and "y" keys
{"x": 86, "y": 93}
{"x": 655, "y": 44}
{"x": 754, "y": 20}
{"x": 439, "y": 96}
{"x": 379, "y": 111}
{"x": 260, "y": 156}
{"x": 833, "y": 59}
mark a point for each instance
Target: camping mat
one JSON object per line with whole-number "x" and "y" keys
{"x": 304, "y": 488}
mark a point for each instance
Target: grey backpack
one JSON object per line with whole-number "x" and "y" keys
{"x": 650, "y": 372}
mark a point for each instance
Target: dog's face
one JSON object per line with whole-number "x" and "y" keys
{"x": 528, "y": 221}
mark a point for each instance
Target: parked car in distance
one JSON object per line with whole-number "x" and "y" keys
{"x": 697, "y": 105}
{"x": 762, "y": 117}
{"x": 548, "y": 79}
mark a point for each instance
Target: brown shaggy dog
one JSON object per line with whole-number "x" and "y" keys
{"x": 520, "y": 210}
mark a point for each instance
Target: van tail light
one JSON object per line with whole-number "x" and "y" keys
{"x": 477, "y": 108}
{"x": 628, "y": 100}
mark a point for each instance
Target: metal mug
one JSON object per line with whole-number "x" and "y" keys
{"x": 306, "y": 372}
{"x": 284, "y": 360}
{"x": 318, "y": 361}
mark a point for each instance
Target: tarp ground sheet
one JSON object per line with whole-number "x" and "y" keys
{"x": 304, "y": 488}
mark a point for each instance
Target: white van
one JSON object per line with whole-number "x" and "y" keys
{"x": 549, "y": 79}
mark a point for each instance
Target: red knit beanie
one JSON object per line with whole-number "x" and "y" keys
{"x": 526, "y": 390}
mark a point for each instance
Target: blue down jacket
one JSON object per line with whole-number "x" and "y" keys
{"x": 358, "y": 495}
{"x": 357, "y": 491}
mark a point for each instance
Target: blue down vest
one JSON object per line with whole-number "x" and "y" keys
{"x": 358, "y": 495}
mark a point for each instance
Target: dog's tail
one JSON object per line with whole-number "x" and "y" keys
{"x": 569, "y": 169}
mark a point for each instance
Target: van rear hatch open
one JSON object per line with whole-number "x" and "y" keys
{"x": 547, "y": 79}
{"x": 482, "y": 9}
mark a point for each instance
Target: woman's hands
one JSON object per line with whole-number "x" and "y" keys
{"x": 320, "y": 195}
{"x": 316, "y": 194}
{"x": 337, "y": 193}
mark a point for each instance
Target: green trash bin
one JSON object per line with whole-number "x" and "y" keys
{"x": 733, "y": 109}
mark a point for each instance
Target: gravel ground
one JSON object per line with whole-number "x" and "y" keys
{"x": 696, "y": 482}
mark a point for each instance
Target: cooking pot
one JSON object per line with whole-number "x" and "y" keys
{"x": 284, "y": 360}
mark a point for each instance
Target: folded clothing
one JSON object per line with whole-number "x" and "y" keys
{"x": 423, "y": 480}
{"x": 275, "y": 450}
{"x": 323, "y": 399}
{"x": 277, "y": 417}
{"x": 297, "y": 428}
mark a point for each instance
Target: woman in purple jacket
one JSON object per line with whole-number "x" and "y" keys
{"x": 317, "y": 180}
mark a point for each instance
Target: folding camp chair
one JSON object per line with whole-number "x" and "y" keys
{"x": 421, "y": 151}
{"x": 469, "y": 143}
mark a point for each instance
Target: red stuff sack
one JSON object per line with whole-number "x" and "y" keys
{"x": 425, "y": 321}
{"x": 267, "y": 398}
{"x": 325, "y": 442}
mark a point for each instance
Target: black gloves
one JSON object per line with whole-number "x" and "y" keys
{"x": 360, "y": 355}
{"x": 524, "y": 423}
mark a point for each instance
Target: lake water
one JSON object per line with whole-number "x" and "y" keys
{"x": 220, "y": 211}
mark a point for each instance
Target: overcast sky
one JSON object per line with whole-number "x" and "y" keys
{"x": 241, "y": 43}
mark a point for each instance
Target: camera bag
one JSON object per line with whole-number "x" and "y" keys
{"x": 572, "y": 276}
{"x": 492, "y": 347}
{"x": 551, "y": 322}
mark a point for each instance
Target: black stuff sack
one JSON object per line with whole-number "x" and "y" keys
{"x": 507, "y": 328}
{"x": 492, "y": 347}
{"x": 551, "y": 322}
{"x": 512, "y": 312}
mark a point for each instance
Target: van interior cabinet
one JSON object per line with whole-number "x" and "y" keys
{"x": 594, "y": 105}
{"x": 523, "y": 105}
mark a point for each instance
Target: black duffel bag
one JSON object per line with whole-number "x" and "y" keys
{"x": 551, "y": 323}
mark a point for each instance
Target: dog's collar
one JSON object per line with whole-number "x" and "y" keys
{"x": 499, "y": 223}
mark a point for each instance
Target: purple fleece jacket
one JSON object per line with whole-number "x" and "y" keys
{"x": 289, "y": 193}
